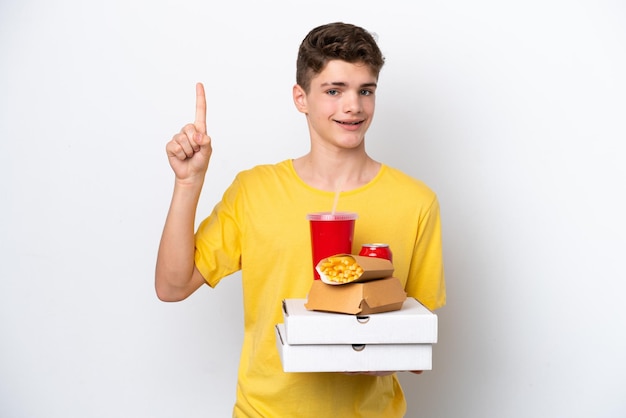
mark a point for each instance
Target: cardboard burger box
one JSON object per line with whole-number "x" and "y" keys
{"x": 412, "y": 324}
{"x": 351, "y": 357}
{"x": 363, "y": 298}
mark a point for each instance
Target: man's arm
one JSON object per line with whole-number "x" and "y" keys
{"x": 189, "y": 152}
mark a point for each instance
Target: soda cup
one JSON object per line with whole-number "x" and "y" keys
{"x": 331, "y": 234}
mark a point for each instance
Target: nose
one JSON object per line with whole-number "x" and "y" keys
{"x": 352, "y": 103}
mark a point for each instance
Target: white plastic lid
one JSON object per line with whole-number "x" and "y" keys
{"x": 329, "y": 216}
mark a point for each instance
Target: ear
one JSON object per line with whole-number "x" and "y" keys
{"x": 299, "y": 98}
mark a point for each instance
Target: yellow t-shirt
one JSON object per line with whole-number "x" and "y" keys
{"x": 260, "y": 228}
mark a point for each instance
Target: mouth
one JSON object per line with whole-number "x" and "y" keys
{"x": 349, "y": 123}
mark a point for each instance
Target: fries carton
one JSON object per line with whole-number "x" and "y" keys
{"x": 341, "y": 269}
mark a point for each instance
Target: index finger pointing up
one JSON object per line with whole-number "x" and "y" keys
{"x": 200, "y": 122}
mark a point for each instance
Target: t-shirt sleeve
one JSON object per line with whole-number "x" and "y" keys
{"x": 218, "y": 238}
{"x": 426, "y": 280}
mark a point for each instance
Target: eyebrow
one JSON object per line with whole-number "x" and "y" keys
{"x": 342, "y": 84}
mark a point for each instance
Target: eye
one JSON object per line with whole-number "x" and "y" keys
{"x": 366, "y": 92}
{"x": 332, "y": 92}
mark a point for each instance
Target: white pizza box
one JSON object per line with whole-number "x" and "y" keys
{"x": 352, "y": 357}
{"x": 413, "y": 323}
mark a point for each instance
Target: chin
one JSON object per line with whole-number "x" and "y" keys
{"x": 351, "y": 143}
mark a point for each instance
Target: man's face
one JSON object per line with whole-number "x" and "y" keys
{"x": 340, "y": 104}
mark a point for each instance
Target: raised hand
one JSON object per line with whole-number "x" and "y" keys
{"x": 189, "y": 151}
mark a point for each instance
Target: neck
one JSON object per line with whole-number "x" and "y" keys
{"x": 332, "y": 172}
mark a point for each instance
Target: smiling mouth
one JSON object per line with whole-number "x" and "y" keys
{"x": 350, "y": 123}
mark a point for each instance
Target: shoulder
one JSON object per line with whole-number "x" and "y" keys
{"x": 264, "y": 171}
{"x": 399, "y": 179}
{"x": 265, "y": 176}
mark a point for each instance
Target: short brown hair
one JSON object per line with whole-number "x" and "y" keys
{"x": 336, "y": 41}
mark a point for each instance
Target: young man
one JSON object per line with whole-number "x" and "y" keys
{"x": 260, "y": 228}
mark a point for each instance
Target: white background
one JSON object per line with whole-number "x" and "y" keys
{"x": 513, "y": 112}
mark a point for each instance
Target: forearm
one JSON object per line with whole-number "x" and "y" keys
{"x": 175, "y": 261}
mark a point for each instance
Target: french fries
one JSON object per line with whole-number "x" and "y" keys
{"x": 341, "y": 269}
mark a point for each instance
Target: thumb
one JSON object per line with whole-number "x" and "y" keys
{"x": 204, "y": 142}
{"x": 198, "y": 138}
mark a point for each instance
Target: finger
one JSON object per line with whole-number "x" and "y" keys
{"x": 200, "y": 121}
{"x": 193, "y": 136}
{"x": 174, "y": 149}
{"x": 179, "y": 147}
